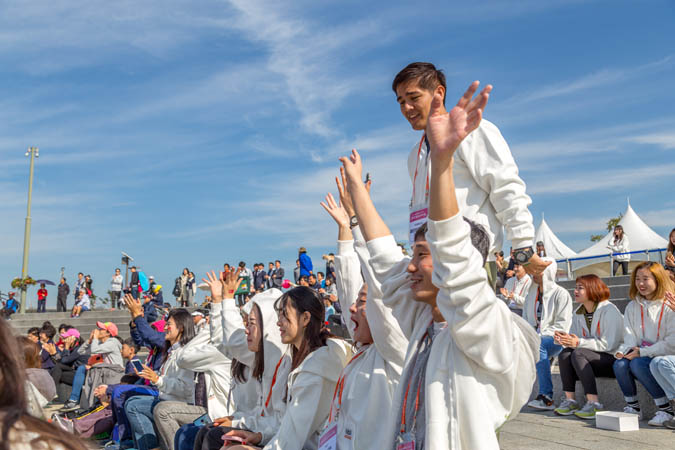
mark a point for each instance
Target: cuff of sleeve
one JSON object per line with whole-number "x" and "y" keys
{"x": 447, "y": 229}
{"x": 345, "y": 247}
{"x": 229, "y": 305}
{"x": 160, "y": 382}
{"x": 521, "y": 243}
{"x": 381, "y": 245}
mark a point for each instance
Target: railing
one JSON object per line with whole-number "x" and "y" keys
{"x": 569, "y": 261}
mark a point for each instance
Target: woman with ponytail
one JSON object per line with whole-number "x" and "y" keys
{"x": 317, "y": 358}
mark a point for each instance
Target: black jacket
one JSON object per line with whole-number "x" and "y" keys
{"x": 63, "y": 292}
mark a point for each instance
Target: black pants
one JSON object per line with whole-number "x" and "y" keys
{"x": 115, "y": 298}
{"x": 42, "y": 305}
{"x": 62, "y": 373}
{"x": 624, "y": 267}
{"x": 211, "y": 438}
{"x": 61, "y": 304}
{"x": 583, "y": 364}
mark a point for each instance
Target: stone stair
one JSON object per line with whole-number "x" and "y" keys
{"x": 85, "y": 323}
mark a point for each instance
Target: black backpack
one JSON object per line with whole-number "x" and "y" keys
{"x": 176, "y": 288}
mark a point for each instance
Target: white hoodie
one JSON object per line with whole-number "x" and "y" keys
{"x": 369, "y": 381}
{"x": 200, "y": 355}
{"x": 606, "y": 333}
{"x": 243, "y": 397}
{"x": 481, "y": 367}
{"x": 271, "y": 405}
{"x": 176, "y": 384}
{"x": 310, "y": 391}
{"x": 662, "y": 339}
{"x": 519, "y": 287}
{"x": 556, "y": 304}
{"x": 489, "y": 189}
{"x": 623, "y": 246}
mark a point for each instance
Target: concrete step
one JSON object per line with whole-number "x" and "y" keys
{"x": 85, "y": 323}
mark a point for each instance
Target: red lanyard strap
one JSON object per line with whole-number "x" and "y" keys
{"x": 583, "y": 332}
{"x": 341, "y": 385}
{"x": 417, "y": 163}
{"x": 642, "y": 318}
{"x": 274, "y": 380}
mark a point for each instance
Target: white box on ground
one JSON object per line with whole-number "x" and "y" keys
{"x": 616, "y": 421}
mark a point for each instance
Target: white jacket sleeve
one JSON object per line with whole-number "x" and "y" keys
{"x": 234, "y": 335}
{"x": 216, "y": 324}
{"x": 611, "y": 333}
{"x": 301, "y": 413}
{"x": 387, "y": 335}
{"x": 389, "y": 267}
{"x": 201, "y": 357}
{"x": 490, "y": 162}
{"x": 563, "y": 313}
{"x": 347, "y": 280}
{"x": 480, "y": 324}
{"x": 630, "y": 330}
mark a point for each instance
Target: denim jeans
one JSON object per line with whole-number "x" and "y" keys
{"x": 185, "y": 437}
{"x": 663, "y": 371}
{"x": 548, "y": 349}
{"x": 119, "y": 396}
{"x": 627, "y": 371}
{"x": 139, "y": 414}
{"x": 78, "y": 382}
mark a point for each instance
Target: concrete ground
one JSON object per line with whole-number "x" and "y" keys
{"x": 545, "y": 430}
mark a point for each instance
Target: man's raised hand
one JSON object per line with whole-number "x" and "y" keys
{"x": 352, "y": 166}
{"x": 216, "y": 286}
{"x": 446, "y": 130}
{"x": 231, "y": 282}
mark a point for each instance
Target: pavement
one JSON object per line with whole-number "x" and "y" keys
{"x": 545, "y": 430}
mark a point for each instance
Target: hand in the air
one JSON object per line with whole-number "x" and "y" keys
{"x": 336, "y": 211}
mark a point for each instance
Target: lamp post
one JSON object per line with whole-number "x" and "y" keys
{"x": 33, "y": 152}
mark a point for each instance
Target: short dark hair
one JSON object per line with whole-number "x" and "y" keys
{"x": 479, "y": 237}
{"x": 48, "y": 329}
{"x": 321, "y": 273}
{"x": 83, "y": 274}
{"x": 130, "y": 343}
{"x": 35, "y": 331}
{"x": 277, "y": 261}
{"x": 242, "y": 264}
{"x": 426, "y": 74}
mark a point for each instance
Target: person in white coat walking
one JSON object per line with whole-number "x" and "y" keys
{"x": 465, "y": 347}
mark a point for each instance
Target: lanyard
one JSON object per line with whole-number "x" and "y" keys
{"x": 419, "y": 385}
{"x": 274, "y": 380}
{"x": 417, "y": 163}
{"x": 520, "y": 294}
{"x": 537, "y": 300}
{"x": 642, "y": 318}
{"x": 341, "y": 385}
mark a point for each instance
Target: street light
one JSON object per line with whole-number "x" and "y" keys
{"x": 33, "y": 152}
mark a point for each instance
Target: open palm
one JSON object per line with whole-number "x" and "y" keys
{"x": 446, "y": 130}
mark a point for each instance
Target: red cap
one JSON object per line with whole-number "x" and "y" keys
{"x": 109, "y": 326}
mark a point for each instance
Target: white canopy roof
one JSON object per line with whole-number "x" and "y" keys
{"x": 554, "y": 246}
{"x": 640, "y": 237}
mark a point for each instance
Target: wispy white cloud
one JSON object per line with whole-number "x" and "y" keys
{"x": 664, "y": 140}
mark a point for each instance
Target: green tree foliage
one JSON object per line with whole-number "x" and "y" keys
{"x": 611, "y": 223}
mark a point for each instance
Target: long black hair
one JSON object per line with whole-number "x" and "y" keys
{"x": 304, "y": 299}
{"x": 14, "y": 406}
{"x": 259, "y": 362}
{"x": 185, "y": 325}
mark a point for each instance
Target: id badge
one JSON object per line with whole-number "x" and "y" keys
{"x": 328, "y": 439}
{"x": 405, "y": 441}
{"x": 418, "y": 217}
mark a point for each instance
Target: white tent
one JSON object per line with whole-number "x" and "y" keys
{"x": 554, "y": 246}
{"x": 640, "y": 238}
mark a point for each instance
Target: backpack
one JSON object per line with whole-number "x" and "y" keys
{"x": 176, "y": 288}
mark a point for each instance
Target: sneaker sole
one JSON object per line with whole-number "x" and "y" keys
{"x": 585, "y": 417}
{"x": 569, "y": 413}
{"x": 656, "y": 425}
{"x": 543, "y": 408}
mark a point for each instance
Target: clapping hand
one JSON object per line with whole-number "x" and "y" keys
{"x": 49, "y": 348}
{"x": 134, "y": 306}
{"x": 566, "y": 339}
{"x": 446, "y": 130}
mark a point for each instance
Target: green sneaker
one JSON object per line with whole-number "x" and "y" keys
{"x": 589, "y": 410}
{"x": 567, "y": 407}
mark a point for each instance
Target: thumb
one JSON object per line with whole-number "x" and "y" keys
{"x": 436, "y": 104}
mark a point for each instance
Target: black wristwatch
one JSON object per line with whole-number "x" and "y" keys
{"x": 522, "y": 255}
{"x": 353, "y": 222}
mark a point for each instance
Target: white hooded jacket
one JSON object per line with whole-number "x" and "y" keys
{"x": 310, "y": 391}
{"x": 606, "y": 333}
{"x": 271, "y": 405}
{"x": 489, "y": 190}
{"x": 370, "y": 379}
{"x": 520, "y": 288}
{"x": 556, "y": 304}
{"x": 622, "y": 246}
{"x": 176, "y": 384}
{"x": 662, "y": 338}
{"x": 485, "y": 356}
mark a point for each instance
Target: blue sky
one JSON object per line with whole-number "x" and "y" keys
{"x": 195, "y": 134}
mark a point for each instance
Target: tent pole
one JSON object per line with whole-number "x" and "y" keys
{"x": 569, "y": 269}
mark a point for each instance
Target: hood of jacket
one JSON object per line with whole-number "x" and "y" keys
{"x": 272, "y": 345}
{"x": 327, "y": 361}
{"x": 548, "y": 276}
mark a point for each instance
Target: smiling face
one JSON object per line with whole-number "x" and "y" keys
{"x": 362, "y": 333}
{"x": 645, "y": 283}
{"x": 421, "y": 268}
{"x": 172, "y": 331}
{"x": 519, "y": 271}
{"x": 292, "y": 325}
{"x": 415, "y": 103}
{"x": 672, "y": 237}
{"x": 253, "y": 330}
{"x": 580, "y": 295}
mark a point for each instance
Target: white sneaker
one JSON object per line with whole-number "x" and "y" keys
{"x": 542, "y": 403}
{"x": 630, "y": 410}
{"x": 659, "y": 418}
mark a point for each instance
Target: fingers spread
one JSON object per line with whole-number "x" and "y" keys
{"x": 466, "y": 98}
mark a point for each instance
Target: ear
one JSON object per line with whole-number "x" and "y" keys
{"x": 440, "y": 89}
{"x": 305, "y": 318}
